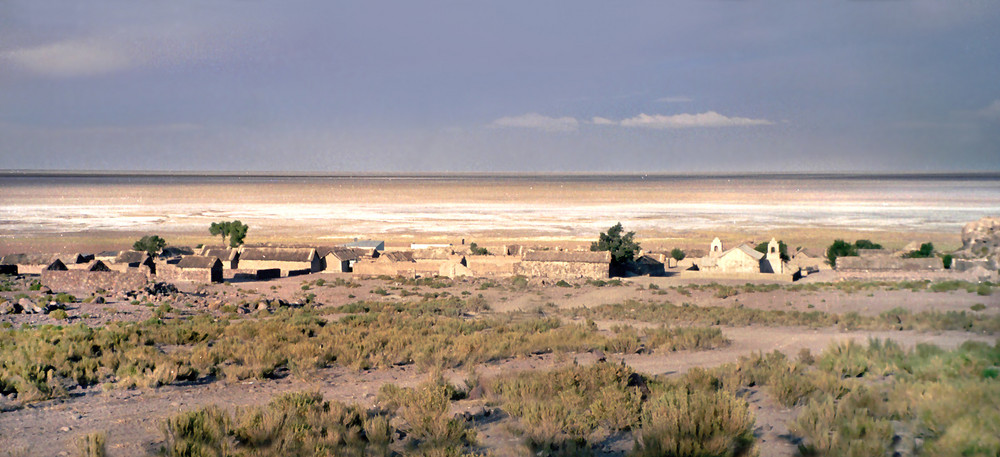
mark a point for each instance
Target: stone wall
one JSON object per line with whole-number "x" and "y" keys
{"x": 171, "y": 273}
{"x": 285, "y": 267}
{"x": 563, "y": 270}
{"x": 888, "y": 263}
{"x": 495, "y": 266}
{"x": 377, "y": 268}
{"x": 771, "y": 277}
{"x": 89, "y": 281}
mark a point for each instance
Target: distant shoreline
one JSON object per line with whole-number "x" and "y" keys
{"x": 463, "y": 176}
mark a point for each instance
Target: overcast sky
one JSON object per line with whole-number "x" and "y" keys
{"x": 339, "y": 86}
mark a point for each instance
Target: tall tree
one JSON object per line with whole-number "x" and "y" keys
{"x": 623, "y": 248}
{"x": 151, "y": 244}
{"x": 236, "y": 231}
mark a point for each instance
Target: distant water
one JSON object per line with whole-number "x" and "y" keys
{"x": 504, "y": 205}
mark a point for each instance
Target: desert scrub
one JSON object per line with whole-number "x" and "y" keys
{"x": 894, "y": 319}
{"x": 683, "y": 422}
{"x": 300, "y": 423}
{"x": 91, "y": 445}
{"x": 683, "y": 338}
{"x": 425, "y": 412}
{"x": 39, "y": 361}
{"x": 566, "y": 411}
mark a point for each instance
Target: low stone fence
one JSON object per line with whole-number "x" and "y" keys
{"x": 89, "y": 281}
{"x": 771, "y": 277}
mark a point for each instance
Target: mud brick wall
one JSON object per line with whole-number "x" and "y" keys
{"x": 492, "y": 265}
{"x": 563, "y": 270}
{"x": 90, "y": 281}
{"x": 171, "y": 273}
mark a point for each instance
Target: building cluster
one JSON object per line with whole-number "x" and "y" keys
{"x": 130, "y": 269}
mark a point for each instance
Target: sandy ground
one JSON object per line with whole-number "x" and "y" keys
{"x": 132, "y": 417}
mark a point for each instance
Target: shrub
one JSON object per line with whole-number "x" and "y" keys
{"x": 984, "y": 289}
{"x": 91, "y": 445}
{"x": 563, "y": 283}
{"x": 695, "y": 423}
{"x": 59, "y": 314}
{"x": 563, "y": 411}
{"x": 926, "y": 250}
{"x": 474, "y": 249}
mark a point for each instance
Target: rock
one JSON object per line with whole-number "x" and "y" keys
{"x": 52, "y": 306}
{"x": 35, "y": 309}
{"x": 45, "y": 290}
{"x": 243, "y": 310}
{"x": 10, "y": 308}
{"x": 99, "y": 300}
{"x": 476, "y": 393}
{"x": 981, "y": 240}
{"x": 64, "y": 429}
{"x": 261, "y": 306}
{"x": 26, "y": 303}
{"x": 600, "y": 355}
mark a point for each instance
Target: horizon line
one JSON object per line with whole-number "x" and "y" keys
{"x": 493, "y": 174}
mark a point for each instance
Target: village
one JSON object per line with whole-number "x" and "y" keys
{"x": 747, "y": 261}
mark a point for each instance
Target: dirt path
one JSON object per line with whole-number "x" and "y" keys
{"x": 132, "y": 418}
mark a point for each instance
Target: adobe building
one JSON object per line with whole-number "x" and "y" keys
{"x": 35, "y": 263}
{"x": 95, "y": 276}
{"x": 392, "y": 263}
{"x": 743, "y": 262}
{"x": 808, "y": 262}
{"x": 289, "y": 261}
{"x": 230, "y": 257}
{"x": 565, "y": 264}
{"x": 341, "y": 259}
{"x": 192, "y": 268}
{"x": 134, "y": 261}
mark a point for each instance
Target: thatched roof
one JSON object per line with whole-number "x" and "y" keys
{"x": 221, "y": 253}
{"x": 132, "y": 257}
{"x": 176, "y": 251}
{"x": 97, "y": 265}
{"x": 199, "y": 262}
{"x": 279, "y": 254}
{"x": 568, "y": 256}
{"x": 431, "y": 254}
{"x": 29, "y": 259}
{"x": 345, "y": 254}
{"x": 398, "y": 256}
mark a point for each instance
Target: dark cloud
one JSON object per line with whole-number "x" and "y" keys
{"x": 471, "y": 86}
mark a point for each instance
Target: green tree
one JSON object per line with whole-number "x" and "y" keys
{"x": 622, "y": 247}
{"x": 151, "y": 244}
{"x": 926, "y": 250}
{"x": 474, "y": 249}
{"x": 946, "y": 261}
{"x": 866, "y": 244}
{"x": 236, "y": 231}
{"x": 782, "y": 249}
{"x": 677, "y": 254}
{"x": 839, "y": 248}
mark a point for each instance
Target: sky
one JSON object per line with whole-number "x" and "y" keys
{"x": 687, "y": 86}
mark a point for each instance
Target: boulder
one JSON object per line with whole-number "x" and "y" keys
{"x": 10, "y": 308}
{"x": 981, "y": 240}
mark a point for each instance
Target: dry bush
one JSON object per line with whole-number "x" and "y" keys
{"x": 682, "y": 422}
